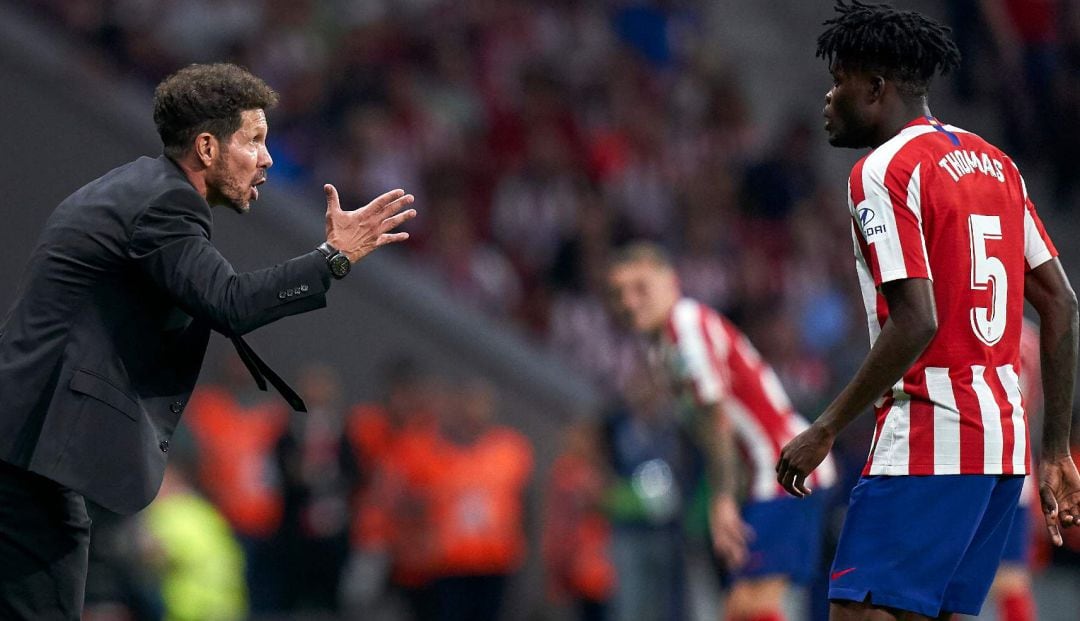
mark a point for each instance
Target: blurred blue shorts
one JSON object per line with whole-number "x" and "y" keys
{"x": 787, "y": 537}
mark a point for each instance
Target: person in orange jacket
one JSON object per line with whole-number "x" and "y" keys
{"x": 477, "y": 506}
{"x": 236, "y": 431}
{"x": 577, "y": 534}
{"x": 393, "y": 440}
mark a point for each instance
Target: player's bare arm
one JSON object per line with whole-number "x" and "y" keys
{"x": 1048, "y": 290}
{"x": 728, "y": 530}
{"x": 911, "y": 325}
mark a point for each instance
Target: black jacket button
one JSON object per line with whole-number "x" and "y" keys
{"x": 176, "y": 407}
{"x": 164, "y": 446}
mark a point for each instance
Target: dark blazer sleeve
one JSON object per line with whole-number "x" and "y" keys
{"x": 170, "y": 244}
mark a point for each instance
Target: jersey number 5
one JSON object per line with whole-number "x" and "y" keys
{"x": 987, "y": 272}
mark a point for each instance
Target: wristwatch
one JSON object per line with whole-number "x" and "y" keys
{"x": 338, "y": 263}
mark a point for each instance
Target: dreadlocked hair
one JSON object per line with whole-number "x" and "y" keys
{"x": 904, "y": 45}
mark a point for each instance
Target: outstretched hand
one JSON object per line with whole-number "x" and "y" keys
{"x": 356, "y": 233}
{"x": 1059, "y": 492}
{"x": 800, "y": 457}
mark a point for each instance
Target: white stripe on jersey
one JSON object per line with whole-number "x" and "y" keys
{"x": 1011, "y": 382}
{"x": 890, "y": 253}
{"x": 756, "y": 442}
{"x": 891, "y": 452}
{"x": 1035, "y": 249}
{"x": 946, "y": 421}
{"x": 993, "y": 441}
{"x": 867, "y": 288}
{"x": 695, "y": 351}
{"x": 914, "y": 202}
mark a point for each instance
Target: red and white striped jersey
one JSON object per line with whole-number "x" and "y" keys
{"x": 941, "y": 203}
{"x": 712, "y": 362}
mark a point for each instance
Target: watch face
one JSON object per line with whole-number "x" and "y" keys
{"x": 340, "y": 265}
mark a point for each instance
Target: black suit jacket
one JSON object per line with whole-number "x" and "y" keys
{"x": 104, "y": 342}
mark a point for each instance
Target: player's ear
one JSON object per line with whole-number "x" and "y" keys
{"x": 875, "y": 87}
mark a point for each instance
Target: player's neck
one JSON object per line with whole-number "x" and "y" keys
{"x": 898, "y": 116}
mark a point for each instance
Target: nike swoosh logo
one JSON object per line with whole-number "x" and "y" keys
{"x": 841, "y": 573}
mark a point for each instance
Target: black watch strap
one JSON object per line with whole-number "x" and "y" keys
{"x": 327, "y": 250}
{"x": 336, "y": 260}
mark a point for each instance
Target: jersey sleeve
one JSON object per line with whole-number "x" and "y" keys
{"x": 1038, "y": 248}
{"x": 886, "y": 206}
{"x": 703, "y": 347}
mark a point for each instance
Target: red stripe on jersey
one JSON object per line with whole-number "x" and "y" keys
{"x": 921, "y": 438}
{"x": 858, "y": 194}
{"x": 897, "y": 178}
{"x": 972, "y": 441}
{"x": 1008, "y": 433}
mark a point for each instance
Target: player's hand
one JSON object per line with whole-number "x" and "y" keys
{"x": 730, "y": 534}
{"x": 356, "y": 233}
{"x": 1059, "y": 492}
{"x": 805, "y": 452}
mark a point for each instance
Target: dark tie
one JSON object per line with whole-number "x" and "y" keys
{"x": 263, "y": 373}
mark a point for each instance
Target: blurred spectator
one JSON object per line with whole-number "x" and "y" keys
{"x": 118, "y": 586}
{"x": 654, "y": 473}
{"x": 577, "y": 534}
{"x": 200, "y": 562}
{"x": 1023, "y": 38}
{"x": 236, "y": 430}
{"x": 478, "y": 506}
{"x": 474, "y": 271}
{"x": 392, "y": 540}
{"x": 319, "y": 474}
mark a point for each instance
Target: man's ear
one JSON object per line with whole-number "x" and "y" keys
{"x": 206, "y": 148}
{"x": 875, "y": 88}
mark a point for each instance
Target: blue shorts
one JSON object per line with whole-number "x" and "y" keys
{"x": 787, "y": 537}
{"x": 925, "y": 544}
{"x": 1018, "y": 541}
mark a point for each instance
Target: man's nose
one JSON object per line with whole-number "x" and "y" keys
{"x": 265, "y": 160}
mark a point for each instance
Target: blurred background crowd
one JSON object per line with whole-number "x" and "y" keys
{"x": 537, "y": 136}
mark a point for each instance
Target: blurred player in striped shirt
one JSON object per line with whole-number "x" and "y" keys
{"x": 947, "y": 245}
{"x": 737, "y": 410}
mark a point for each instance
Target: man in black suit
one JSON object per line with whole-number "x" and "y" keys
{"x": 103, "y": 345}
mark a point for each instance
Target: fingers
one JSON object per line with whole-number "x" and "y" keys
{"x": 395, "y": 221}
{"x": 333, "y": 202}
{"x": 730, "y": 547}
{"x": 786, "y": 475}
{"x": 1050, "y": 513}
{"x": 393, "y": 197}
{"x": 1069, "y": 511}
{"x": 391, "y": 238}
{"x": 800, "y": 485}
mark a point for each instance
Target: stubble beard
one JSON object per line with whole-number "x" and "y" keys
{"x": 232, "y": 192}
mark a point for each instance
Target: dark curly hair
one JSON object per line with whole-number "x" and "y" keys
{"x": 206, "y": 98}
{"x": 905, "y": 46}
